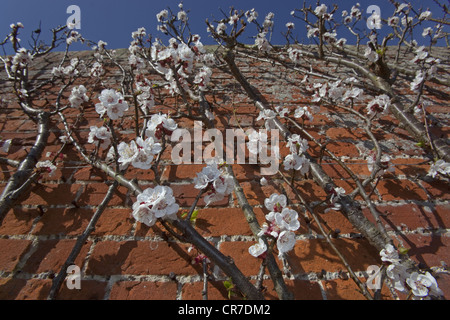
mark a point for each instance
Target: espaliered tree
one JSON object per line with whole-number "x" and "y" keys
{"x": 185, "y": 67}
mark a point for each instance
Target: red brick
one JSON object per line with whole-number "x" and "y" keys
{"x": 50, "y": 255}
{"x": 410, "y": 166}
{"x": 317, "y": 255}
{"x": 223, "y": 221}
{"x": 339, "y": 289}
{"x": 438, "y": 189}
{"x": 21, "y": 289}
{"x": 304, "y": 289}
{"x": 335, "y": 171}
{"x": 400, "y": 190}
{"x": 216, "y": 291}
{"x": 186, "y": 194}
{"x": 89, "y": 290}
{"x": 346, "y": 133}
{"x": 143, "y": 290}
{"x": 301, "y": 289}
{"x": 140, "y": 257}
{"x": 94, "y": 193}
{"x": 238, "y": 251}
{"x": 181, "y": 172}
{"x": 89, "y": 174}
{"x": 340, "y": 149}
{"x": 430, "y": 250}
{"x": 256, "y": 194}
{"x": 411, "y": 216}
{"x": 443, "y": 281}
{"x": 11, "y": 251}
{"x": 114, "y": 222}
{"x": 70, "y": 221}
{"x": 18, "y": 221}
{"x": 51, "y": 194}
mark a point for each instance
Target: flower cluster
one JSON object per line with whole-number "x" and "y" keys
{"x": 355, "y": 13}
{"x": 75, "y": 67}
{"x": 295, "y": 55}
{"x": 268, "y": 116}
{"x": 296, "y": 159}
{"x": 21, "y": 59}
{"x": 335, "y": 194}
{"x": 428, "y": 66}
{"x": 97, "y": 70}
{"x": 251, "y": 15}
{"x": 160, "y": 125}
{"x": 112, "y": 103}
{"x": 214, "y": 181}
{"x": 379, "y": 105}
{"x": 176, "y": 61}
{"x": 48, "y": 166}
{"x": 139, "y": 153}
{"x": 154, "y": 203}
{"x": 262, "y": 43}
{"x": 281, "y": 224}
{"x": 421, "y": 285}
{"x": 100, "y": 134}
{"x": 440, "y": 167}
{"x": 146, "y": 97}
{"x": 385, "y": 162}
{"x": 78, "y": 96}
{"x": 257, "y": 141}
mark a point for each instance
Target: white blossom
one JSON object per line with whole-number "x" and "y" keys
{"x": 276, "y": 202}
{"x": 257, "y": 141}
{"x": 103, "y": 133}
{"x": 295, "y": 55}
{"x": 303, "y": 113}
{"x": 426, "y": 15}
{"x": 320, "y": 10}
{"x": 297, "y": 144}
{"x": 251, "y": 15}
{"x": 154, "y": 203}
{"x": 287, "y": 219}
{"x": 371, "y": 55}
{"x": 285, "y": 241}
{"x": 398, "y": 275}
{"x": 258, "y": 249}
{"x": 262, "y": 43}
{"x": 221, "y": 27}
{"x": 439, "y": 166}
{"x": 379, "y": 105}
{"x": 111, "y": 103}
{"x": 263, "y": 181}
{"x": 393, "y": 21}
{"x": 389, "y": 254}
{"x": 78, "y": 96}
{"x": 296, "y": 162}
{"x": 423, "y": 284}
{"x": 164, "y": 14}
{"x": 21, "y": 59}
{"x": 159, "y": 125}
{"x": 97, "y": 70}
{"x": 47, "y": 165}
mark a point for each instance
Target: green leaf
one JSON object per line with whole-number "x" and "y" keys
{"x": 194, "y": 215}
{"x": 420, "y": 144}
{"x": 228, "y": 285}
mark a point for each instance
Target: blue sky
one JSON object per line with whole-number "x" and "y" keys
{"x": 114, "y": 20}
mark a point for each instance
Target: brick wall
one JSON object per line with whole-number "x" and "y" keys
{"x": 124, "y": 259}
